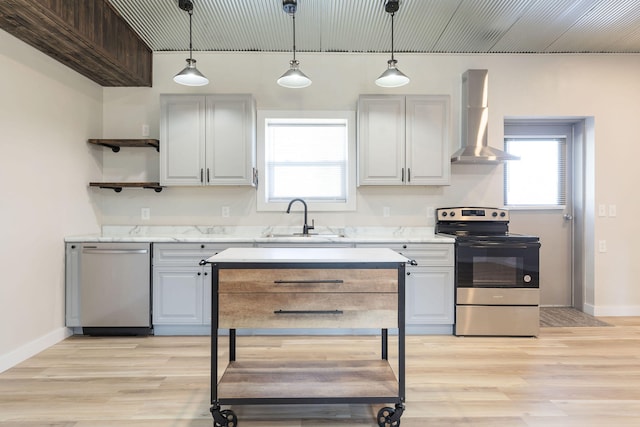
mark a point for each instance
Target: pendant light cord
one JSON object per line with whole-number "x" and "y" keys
{"x": 392, "y": 15}
{"x": 190, "y": 37}
{"x": 294, "y": 35}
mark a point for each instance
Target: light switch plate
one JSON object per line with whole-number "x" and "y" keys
{"x": 602, "y": 246}
{"x": 613, "y": 211}
{"x": 145, "y": 214}
{"x": 602, "y": 210}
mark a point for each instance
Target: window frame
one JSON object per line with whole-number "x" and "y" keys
{"x": 313, "y": 205}
{"x": 516, "y": 129}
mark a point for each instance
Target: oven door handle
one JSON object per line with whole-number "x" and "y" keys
{"x": 499, "y": 245}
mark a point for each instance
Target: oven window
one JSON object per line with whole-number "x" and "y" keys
{"x": 496, "y": 271}
{"x": 498, "y": 266}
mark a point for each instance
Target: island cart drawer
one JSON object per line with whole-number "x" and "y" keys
{"x": 308, "y": 280}
{"x": 308, "y": 310}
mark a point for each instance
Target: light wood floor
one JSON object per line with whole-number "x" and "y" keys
{"x": 566, "y": 377}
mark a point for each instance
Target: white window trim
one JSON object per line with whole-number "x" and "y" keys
{"x": 350, "y": 116}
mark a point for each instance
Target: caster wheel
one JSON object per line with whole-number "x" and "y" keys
{"x": 225, "y": 418}
{"x": 386, "y": 418}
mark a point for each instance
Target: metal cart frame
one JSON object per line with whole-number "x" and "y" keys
{"x": 387, "y": 416}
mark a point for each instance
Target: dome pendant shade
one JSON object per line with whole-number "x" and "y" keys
{"x": 392, "y": 77}
{"x": 294, "y": 78}
{"x": 190, "y": 76}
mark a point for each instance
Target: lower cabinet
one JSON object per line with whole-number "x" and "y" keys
{"x": 178, "y": 295}
{"x": 182, "y": 287}
{"x": 429, "y": 286}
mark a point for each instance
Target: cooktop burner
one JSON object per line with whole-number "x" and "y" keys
{"x": 478, "y": 225}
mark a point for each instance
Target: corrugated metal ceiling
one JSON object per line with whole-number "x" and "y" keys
{"x": 427, "y": 26}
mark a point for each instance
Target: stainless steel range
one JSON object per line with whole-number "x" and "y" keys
{"x": 497, "y": 273}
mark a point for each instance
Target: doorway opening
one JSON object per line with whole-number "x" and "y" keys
{"x": 550, "y": 194}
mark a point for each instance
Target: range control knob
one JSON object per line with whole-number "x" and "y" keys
{"x": 494, "y": 214}
{"x": 503, "y": 214}
{"x": 444, "y": 214}
{"x": 452, "y": 213}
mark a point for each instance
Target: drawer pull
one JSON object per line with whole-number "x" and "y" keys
{"x": 308, "y": 312}
{"x": 306, "y": 282}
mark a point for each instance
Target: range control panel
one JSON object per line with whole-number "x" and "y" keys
{"x": 472, "y": 214}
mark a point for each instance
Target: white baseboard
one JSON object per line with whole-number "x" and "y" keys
{"x": 613, "y": 311}
{"x": 32, "y": 348}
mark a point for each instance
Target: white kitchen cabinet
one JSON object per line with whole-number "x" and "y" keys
{"x": 178, "y": 295}
{"x": 429, "y": 285}
{"x": 403, "y": 140}
{"x": 72, "y": 285}
{"x": 207, "y": 140}
{"x": 182, "y": 287}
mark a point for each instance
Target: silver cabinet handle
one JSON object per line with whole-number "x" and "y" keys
{"x": 114, "y": 251}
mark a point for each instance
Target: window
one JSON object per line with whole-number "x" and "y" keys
{"x": 308, "y": 155}
{"x": 538, "y": 178}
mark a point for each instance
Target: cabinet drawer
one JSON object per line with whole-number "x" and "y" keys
{"x": 425, "y": 254}
{"x": 305, "y": 310}
{"x": 188, "y": 254}
{"x": 308, "y": 280}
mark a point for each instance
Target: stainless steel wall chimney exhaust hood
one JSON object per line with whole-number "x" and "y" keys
{"x": 474, "y": 113}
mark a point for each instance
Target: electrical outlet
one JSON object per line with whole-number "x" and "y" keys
{"x": 145, "y": 214}
{"x": 430, "y": 212}
{"x": 602, "y": 210}
{"x": 145, "y": 130}
{"x": 602, "y": 246}
{"x": 613, "y": 210}
{"x": 386, "y": 211}
{"x": 225, "y": 211}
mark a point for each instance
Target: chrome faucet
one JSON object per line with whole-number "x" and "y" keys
{"x": 305, "y": 227}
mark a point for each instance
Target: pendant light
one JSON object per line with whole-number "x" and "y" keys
{"x": 190, "y": 76}
{"x": 293, "y": 78}
{"x": 392, "y": 77}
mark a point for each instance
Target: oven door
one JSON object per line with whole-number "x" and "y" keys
{"x": 497, "y": 264}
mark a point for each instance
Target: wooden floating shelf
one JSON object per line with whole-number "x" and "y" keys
{"x": 115, "y": 144}
{"x": 118, "y": 186}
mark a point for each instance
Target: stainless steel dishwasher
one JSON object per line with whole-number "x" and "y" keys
{"x": 115, "y": 288}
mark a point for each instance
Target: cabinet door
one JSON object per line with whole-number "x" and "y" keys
{"x": 72, "y": 284}
{"x": 427, "y": 140}
{"x": 230, "y": 146}
{"x": 381, "y": 140}
{"x": 429, "y": 296}
{"x": 177, "y": 295}
{"x": 182, "y": 139}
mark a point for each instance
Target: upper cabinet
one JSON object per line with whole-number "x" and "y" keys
{"x": 403, "y": 140}
{"x": 207, "y": 140}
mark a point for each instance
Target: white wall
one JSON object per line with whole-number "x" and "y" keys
{"x": 606, "y": 87}
{"x": 46, "y": 114}
{"x": 48, "y": 111}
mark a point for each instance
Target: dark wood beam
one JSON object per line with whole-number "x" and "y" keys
{"x": 89, "y": 36}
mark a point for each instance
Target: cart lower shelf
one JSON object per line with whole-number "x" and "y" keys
{"x": 329, "y": 381}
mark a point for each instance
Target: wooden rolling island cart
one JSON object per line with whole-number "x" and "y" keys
{"x": 343, "y": 288}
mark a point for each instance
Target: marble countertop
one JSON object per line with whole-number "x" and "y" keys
{"x": 258, "y": 234}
